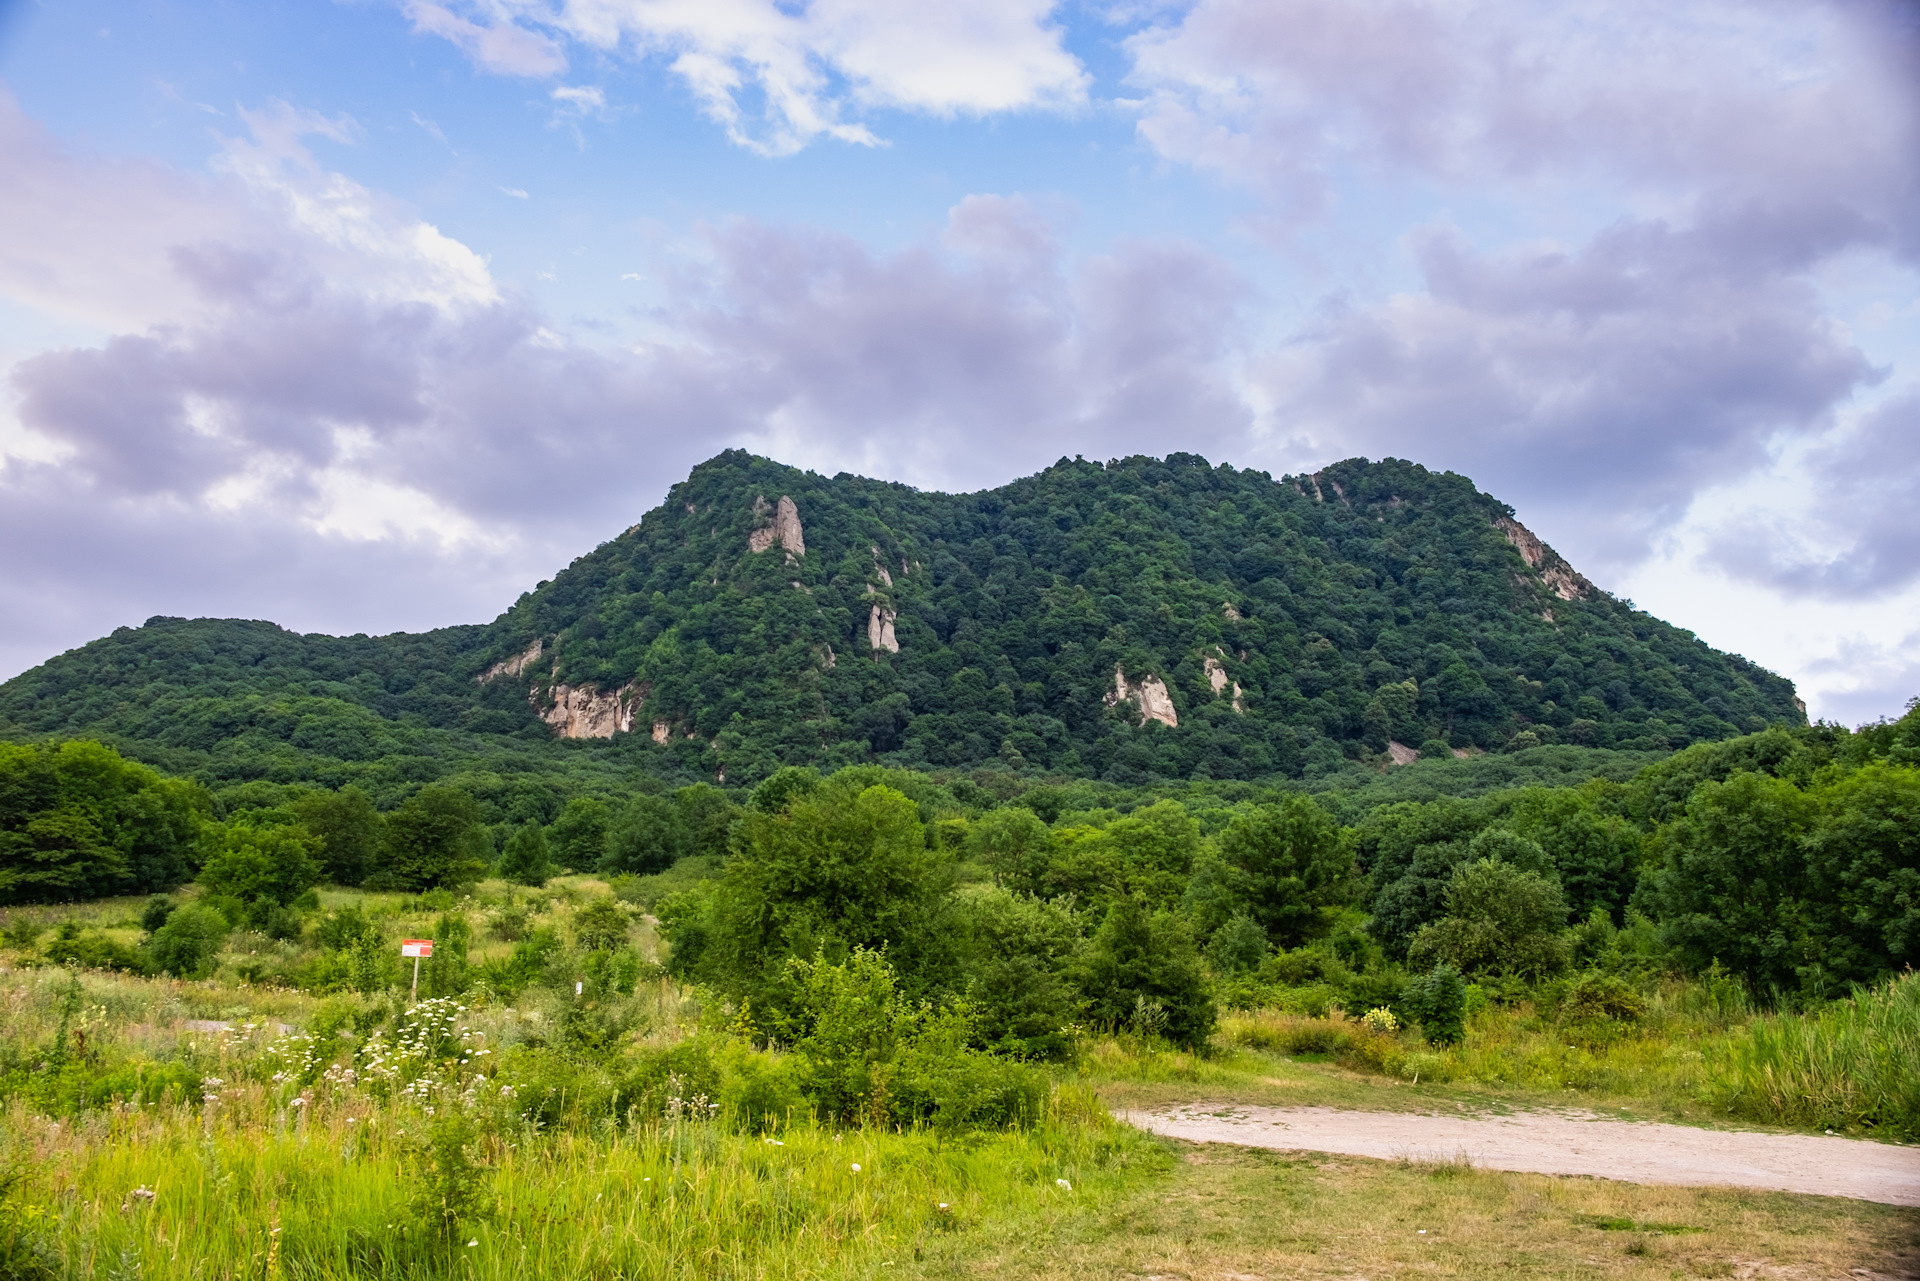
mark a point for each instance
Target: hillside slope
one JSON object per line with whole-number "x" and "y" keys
{"x": 1146, "y": 618}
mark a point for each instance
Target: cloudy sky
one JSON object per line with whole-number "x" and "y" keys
{"x": 366, "y": 315}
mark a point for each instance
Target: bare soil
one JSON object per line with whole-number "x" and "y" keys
{"x": 1566, "y": 1142}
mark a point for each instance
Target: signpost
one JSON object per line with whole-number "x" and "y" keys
{"x": 416, "y": 948}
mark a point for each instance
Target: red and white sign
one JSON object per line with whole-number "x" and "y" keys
{"x": 416, "y": 947}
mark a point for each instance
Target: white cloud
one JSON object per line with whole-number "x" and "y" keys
{"x": 805, "y": 63}
{"x": 500, "y": 46}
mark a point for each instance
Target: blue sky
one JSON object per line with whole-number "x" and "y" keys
{"x": 364, "y": 316}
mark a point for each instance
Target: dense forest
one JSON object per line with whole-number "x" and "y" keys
{"x": 1787, "y": 861}
{"x": 1145, "y": 620}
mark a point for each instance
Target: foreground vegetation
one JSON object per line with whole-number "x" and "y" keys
{"x": 558, "y": 1104}
{"x": 875, "y": 1018}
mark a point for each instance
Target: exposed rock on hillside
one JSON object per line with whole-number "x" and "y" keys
{"x": 1543, "y": 560}
{"x": 512, "y": 666}
{"x": 784, "y": 528}
{"x": 1217, "y": 678}
{"x": 880, "y": 631}
{"x": 584, "y": 712}
{"x": 1150, "y": 696}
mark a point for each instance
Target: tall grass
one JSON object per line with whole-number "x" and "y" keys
{"x": 259, "y": 1153}
{"x": 258, "y": 1192}
{"x": 1853, "y": 1065}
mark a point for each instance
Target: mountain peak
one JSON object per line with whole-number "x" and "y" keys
{"x": 1146, "y": 617}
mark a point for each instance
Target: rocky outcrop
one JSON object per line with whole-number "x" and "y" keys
{"x": 1150, "y": 697}
{"x": 1217, "y": 678}
{"x": 512, "y": 666}
{"x": 886, "y": 579}
{"x": 583, "y": 711}
{"x": 1400, "y": 753}
{"x": 661, "y": 731}
{"x": 1544, "y": 561}
{"x": 1232, "y": 614}
{"x": 783, "y": 528}
{"x": 880, "y": 631}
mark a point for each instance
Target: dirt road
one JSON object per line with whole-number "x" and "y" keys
{"x": 1569, "y": 1142}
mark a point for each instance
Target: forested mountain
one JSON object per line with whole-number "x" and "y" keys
{"x": 1143, "y": 619}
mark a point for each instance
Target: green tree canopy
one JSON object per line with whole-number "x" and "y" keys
{"x": 526, "y": 857}
{"x": 1731, "y": 878}
{"x": 348, "y": 827}
{"x": 435, "y": 839}
{"x": 1500, "y": 920}
{"x": 78, "y": 821}
{"x": 1298, "y": 865}
{"x": 841, "y": 867}
{"x": 1142, "y": 971}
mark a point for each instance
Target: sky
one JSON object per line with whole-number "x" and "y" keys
{"x": 367, "y": 315}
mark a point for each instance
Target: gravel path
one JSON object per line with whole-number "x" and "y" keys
{"x": 1570, "y": 1142}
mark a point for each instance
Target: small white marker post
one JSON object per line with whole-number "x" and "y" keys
{"x": 416, "y": 948}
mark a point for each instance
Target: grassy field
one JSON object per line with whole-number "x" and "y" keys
{"x": 239, "y": 1127}
{"x": 1233, "y": 1214}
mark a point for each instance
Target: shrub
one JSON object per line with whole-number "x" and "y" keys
{"x": 1237, "y": 946}
{"x": 95, "y": 951}
{"x": 156, "y": 912}
{"x": 188, "y": 943}
{"x": 1438, "y": 1000}
{"x": 759, "y": 1092}
{"x": 1601, "y": 998}
{"x": 450, "y": 1187}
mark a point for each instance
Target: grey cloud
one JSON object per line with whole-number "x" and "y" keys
{"x": 967, "y": 369}
{"x": 1857, "y": 535}
{"x": 1717, "y": 101}
{"x": 203, "y": 458}
{"x": 1606, "y": 384}
{"x": 81, "y": 563}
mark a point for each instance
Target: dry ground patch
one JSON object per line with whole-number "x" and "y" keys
{"x": 1228, "y": 1214}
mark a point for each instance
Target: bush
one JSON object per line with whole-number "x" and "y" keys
{"x": 95, "y": 951}
{"x": 450, "y": 1187}
{"x": 1601, "y": 998}
{"x": 156, "y": 912}
{"x": 1438, "y": 1000}
{"x": 188, "y": 943}
{"x": 759, "y": 1092}
{"x": 1237, "y": 946}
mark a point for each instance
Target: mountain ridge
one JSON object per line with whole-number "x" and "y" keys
{"x": 1136, "y": 619}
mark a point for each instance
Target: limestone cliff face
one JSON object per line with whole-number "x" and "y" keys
{"x": 1150, "y": 696}
{"x": 880, "y": 630}
{"x": 513, "y": 666}
{"x": 783, "y": 528}
{"x": 1544, "y": 561}
{"x": 583, "y": 711}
